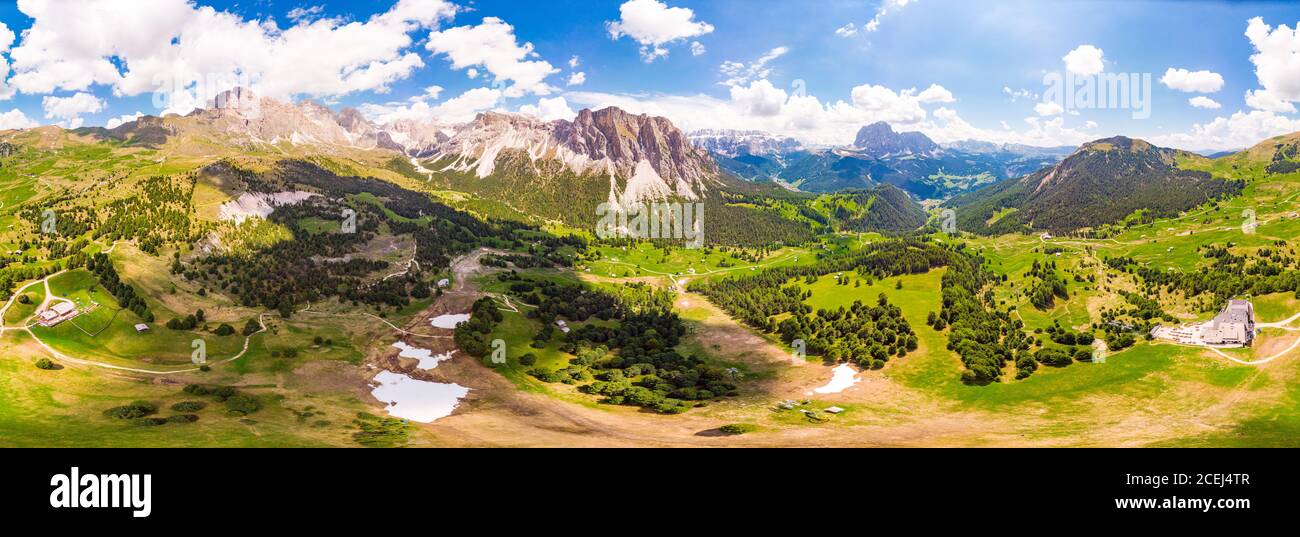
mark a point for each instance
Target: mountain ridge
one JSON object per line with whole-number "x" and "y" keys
{"x": 1104, "y": 182}
{"x": 878, "y": 155}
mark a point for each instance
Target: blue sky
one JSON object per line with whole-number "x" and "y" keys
{"x": 952, "y": 69}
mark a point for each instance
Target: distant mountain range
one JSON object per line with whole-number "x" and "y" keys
{"x": 1104, "y": 182}
{"x": 732, "y": 144}
{"x": 240, "y": 117}
{"x": 879, "y": 155}
{"x": 561, "y": 170}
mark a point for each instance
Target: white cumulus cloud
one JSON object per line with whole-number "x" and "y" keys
{"x": 760, "y": 99}
{"x": 16, "y": 119}
{"x": 1238, "y": 131}
{"x": 71, "y": 108}
{"x": 492, "y": 46}
{"x": 1201, "y": 101}
{"x": 935, "y": 94}
{"x": 1192, "y": 81}
{"x": 549, "y": 109}
{"x": 1084, "y": 60}
{"x": 653, "y": 25}
{"x": 1268, "y": 102}
{"x": 458, "y": 109}
{"x": 177, "y": 46}
{"x": 1049, "y": 108}
{"x": 116, "y": 122}
{"x": 1277, "y": 64}
{"x": 430, "y": 93}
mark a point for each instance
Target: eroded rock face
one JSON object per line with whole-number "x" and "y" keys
{"x": 644, "y": 157}
{"x": 627, "y": 139}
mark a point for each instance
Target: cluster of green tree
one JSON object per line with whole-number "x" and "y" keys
{"x": 237, "y": 403}
{"x": 142, "y": 413}
{"x": 633, "y": 362}
{"x": 189, "y": 406}
{"x": 378, "y": 431}
{"x": 132, "y": 410}
{"x": 984, "y": 337}
{"x": 189, "y": 322}
{"x": 1225, "y": 276}
{"x": 472, "y": 335}
{"x": 645, "y": 370}
{"x": 884, "y": 208}
{"x": 1062, "y": 357}
{"x": 738, "y": 224}
{"x": 1285, "y": 159}
{"x": 543, "y": 252}
{"x": 126, "y": 296}
{"x": 515, "y": 260}
{"x": 287, "y": 272}
{"x": 1118, "y": 337}
{"x": 641, "y": 297}
{"x": 754, "y": 299}
{"x": 1145, "y": 308}
{"x": 573, "y": 302}
{"x": 867, "y": 335}
{"x": 1065, "y": 336}
{"x": 159, "y": 214}
{"x": 59, "y": 249}
{"x": 68, "y": 213}
{"x": 1045, "y": 286}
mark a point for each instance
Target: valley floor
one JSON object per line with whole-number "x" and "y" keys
{"x": 1151, "y": 394}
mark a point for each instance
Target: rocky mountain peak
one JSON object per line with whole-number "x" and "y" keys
{"x": 355, "y": 123}
{"x": 1122, "y": 143}
{"x": 644, "y": 157}
{"x": 879, "y": 139}
{"x": 238, "y": 99}
{"x": 626, "y": 139}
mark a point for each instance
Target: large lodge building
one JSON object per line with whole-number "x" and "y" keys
{"x": 1235, "y": 325}
{"x": 1232, "y": 327}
